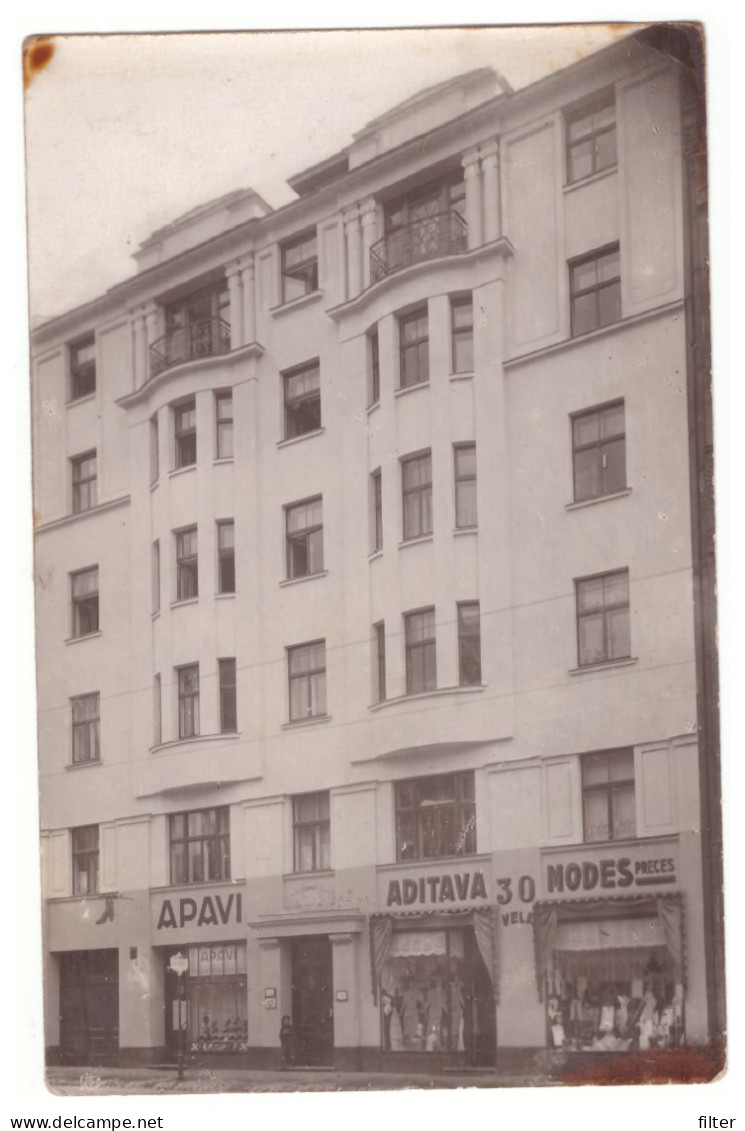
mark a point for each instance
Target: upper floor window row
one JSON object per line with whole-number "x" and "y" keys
{"x": 185, "y": 432}
{"x": 413, "y": 346}
{"x": 591, "y": 137}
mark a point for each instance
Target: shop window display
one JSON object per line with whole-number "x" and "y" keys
{"x": 215, "y": 990}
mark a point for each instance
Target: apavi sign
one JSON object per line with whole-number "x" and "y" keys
{"x": 207, "y": 911}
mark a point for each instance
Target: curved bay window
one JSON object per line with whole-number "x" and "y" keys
{"x": 216, "y": 1015}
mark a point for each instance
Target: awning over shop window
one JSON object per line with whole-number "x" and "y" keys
{"x": 588, "y": 927}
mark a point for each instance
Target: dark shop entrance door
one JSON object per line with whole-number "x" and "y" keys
{"x": 312, "y": 1000}
{"x": 89, "y": 1006}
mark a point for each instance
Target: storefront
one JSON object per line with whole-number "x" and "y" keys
{"x": 89, "y": 1006}
{"x": 207, "y": 1005}
{"x": 611, "y": 972}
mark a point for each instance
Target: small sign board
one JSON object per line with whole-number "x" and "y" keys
{"x": 179, "y": 963}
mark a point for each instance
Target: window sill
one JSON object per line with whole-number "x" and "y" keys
{"x": 373, "y": 557}
{"x": 82, "y": 400}
{"x": 296, "y": 303}
{"x": 88, "y": 636}
{"x": 372, "y": 407}
{"x": 605, "y": 665}
{"x": 186, "y": 601}
{"x": 297, "y": 439}
{"x": 182, "y": 470}
{"x": 405, "y": 389}
{"x": 416, "y": 541}
{"x": 222, "y": 459}
{"x": 322, "y": 873}
{"x": 460, "y": 530}
{"x": 83, "y": 765}
{"x": 297, "y": 724}
{"x": 462, "y": 376}
{"x": 306, "y": 577}
{"x": 591, "y": 179}
{"x": 457, "y": 689}
{"x": 598, "y": 499}
{"x": 192, "y": 739}
{"x": 224, "y": 596}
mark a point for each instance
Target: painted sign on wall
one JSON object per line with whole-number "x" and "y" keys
{"x": 207, "y": 911}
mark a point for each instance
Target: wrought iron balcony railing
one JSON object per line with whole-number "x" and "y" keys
{"x": 442, "y": 234}
{"x": 202, "y": 339}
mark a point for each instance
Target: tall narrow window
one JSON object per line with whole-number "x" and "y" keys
{"x": 603, "y": 622}
{"x": 156, "y": 575}
{"x": 469, "y": 643}
{"x": 379, "y": 670}
{"x": 376, "y": 484}
{"x": 185, "y": 425}
{"x": 85, "y": 860}
{"x": 413, "y": 348}
{"x": 228, "y": 701}
{"x": 200, "y": 845}
{"x": 307, "y": 676}
{"x": 299, "y": 258}
{"x": 157, "y": 712}
{"x": 302, "y": 396}
{"x": 599, "y": 452}
{"x": 416, "y": 482}
{"x": 466, "y": 513}
{"x": 304, "y": 535}
{"x": 83, "y": 367}
{"x": 461, "y": 328}
{"x": 226, "y": 556}
{"x": 421, "y": 656}
{"x": 591, "y": 138}
{"x": 224, "y": 425}
{"x": 187, "y": 564}
{"x": 311, "y": 830}
{"x": 595, "y": 290}
{"x": 608, "y": 795}
{"x": 85, "y": 727}
{"x": 188, "y": 701}
{"x": 154, "y": 449}
{"x": 84, "y": 482}
{"x": 84, "y": 585}
{"x": 374, "y": 362}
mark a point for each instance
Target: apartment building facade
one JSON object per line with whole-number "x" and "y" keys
{"x": 367, "y": 681}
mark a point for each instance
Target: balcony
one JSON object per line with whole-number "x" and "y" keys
{"x": 208, "y": 338}
{"x": 445, "y": 233}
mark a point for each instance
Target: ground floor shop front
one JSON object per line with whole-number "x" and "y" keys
{"x": 459, "y": 964}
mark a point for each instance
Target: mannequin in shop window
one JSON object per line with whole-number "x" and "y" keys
{"x": 436, "y": 999}
{"x": 457, "y": 1008}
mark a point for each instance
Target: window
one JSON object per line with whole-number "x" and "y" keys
{"x": 608, "y": 797}
{"x": 464, "y": 456}
{"x": 228, "y": 704}
{"x": 299, "y": 266}
{"x": 307, "y": 675}
{"x": 421, "y": 658}
{"x": 156, "y": 575}
{"x": 200, "y": 846}
{"x": 603, "y": 628}
{"x": 376, "y": 485}
{"x": 461, "y": 329}
{"x": 154, "y": 452}
{"x": 599, "y": 452}
{"x": 185, "y": 422}
{"x": 187, "y": 564}
{"x": 197, "y": 325}
{"x": 85, "y": 860}
{"x": 595, "y": 290}
{"x": 83, "y": 368}
{"x": 374, "y": 363}
{"x": 435, "y": 816}
{"x": 304, "y": 538}
{"x": 84, "y": 586}
{"x": 84, "y": 483}
{"x": 311, "y": 832}
{"x": 226, "y": 556}
{"x": 413, "y": 344}
{"x": 188, "y": 701}
{"x": 591, "y": 138}
{"x": 157, "y": 713}
{"x": 224, "y": 425}
{"x": 214, "y": 997}
{"x": 469, "y": 643}
{"x": 302, "y": 391}
{"x": 85, "y": 727}
{"x": 416, "y": 482}
{"x": 379, "y": 671}
{"x": 424, "y": 223}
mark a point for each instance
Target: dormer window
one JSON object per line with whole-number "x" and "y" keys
{"x": 197, "y": 326}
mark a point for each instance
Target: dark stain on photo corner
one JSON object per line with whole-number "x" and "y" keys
{"x": 38, "y": 52}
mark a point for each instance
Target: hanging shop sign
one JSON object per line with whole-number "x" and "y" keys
{"x": 456, "y": 887}
{"x": 207, "y": 911}
{"x": 604, "y": 873}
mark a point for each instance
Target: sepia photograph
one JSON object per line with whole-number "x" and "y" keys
{"x": 374, "y": 559}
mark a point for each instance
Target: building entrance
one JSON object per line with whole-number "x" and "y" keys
{"x": 89, "y": 1006}
{"x": 312, "y": 999}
